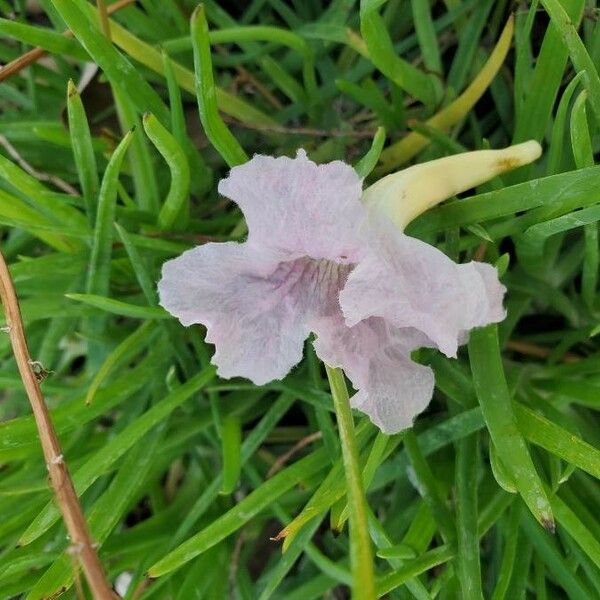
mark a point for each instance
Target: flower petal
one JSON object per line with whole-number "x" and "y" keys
{"x": 391, "y": 389}
{"x": 257, "y": 325}
{"x": 412, "y": 284}
{"x": 399, "y": 390}
{"x": 299, "y": 207}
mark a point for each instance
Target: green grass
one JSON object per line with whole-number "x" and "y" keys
{"x": 173, "y": 465}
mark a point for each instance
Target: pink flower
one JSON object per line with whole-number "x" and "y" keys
{"x": 318, "y": 260}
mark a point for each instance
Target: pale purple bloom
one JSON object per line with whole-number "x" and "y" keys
{"x": 317, "y": 260}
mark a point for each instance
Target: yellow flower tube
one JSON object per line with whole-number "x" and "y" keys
{"x": 404, "y": 195}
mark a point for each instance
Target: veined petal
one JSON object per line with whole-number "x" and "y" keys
{"x": 398, "y": 391}
{"x": 237, "y": 292}
{"x": 299, "y": 207}
{"x": 390, "y": 388}
{"x": 258, "y": 309}
{"x": 412, "y": 284}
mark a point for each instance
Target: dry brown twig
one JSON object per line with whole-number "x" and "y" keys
{"x": 35, "y": 54}
{"x": 310, "y": 131}
{"x": 234, "y": 564}
{"x": 280, "y": 462}
{"x": 56, "y": 181}
{"x": 64, "y": 491}
{"x": 529, "y": 349}
{"x": 244, "y": 76}
{"x": 479, "y": 254}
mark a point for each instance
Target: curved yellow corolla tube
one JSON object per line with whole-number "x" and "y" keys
{"x": 404, "y": 195}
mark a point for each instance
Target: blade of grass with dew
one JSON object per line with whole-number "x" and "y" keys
{"x": 577, "y": 529}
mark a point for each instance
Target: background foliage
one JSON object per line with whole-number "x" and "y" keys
{"x": 107, "y": 173}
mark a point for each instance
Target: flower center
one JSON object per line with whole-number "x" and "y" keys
{"x": 314, "y": 283}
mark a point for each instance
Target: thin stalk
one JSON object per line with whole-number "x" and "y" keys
{"x": 64, "y": 491}
{"x": 23, "y": 61}
{"x": 361, "y": 553}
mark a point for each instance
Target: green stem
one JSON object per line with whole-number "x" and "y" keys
{"x": 361, "y": 554}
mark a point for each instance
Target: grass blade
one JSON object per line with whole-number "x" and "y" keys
{"x": 495, "y": 401}
{"x": 118, "y": 69}
{"x": 83, "y": 151}
{"x": 231, "y": 442}
{"x": 175, "y": 210}
{"x": 402, "y": 151}
{"x": 117, "y": 307}
{"x": 469, "y": 567}
{"x": 235, "y": 518}
{"x": 117, "y": 447}
{"x": 217, "y": 132}
{"x": 367, "y": 163}
{"x": 579, "y": 55}
{"x": 99, "y": 268}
